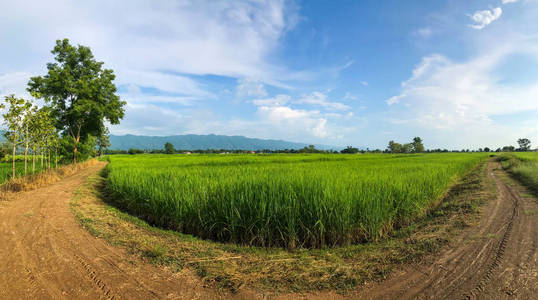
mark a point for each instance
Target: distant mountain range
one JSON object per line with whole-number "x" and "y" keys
{"x": 211, "y": 141}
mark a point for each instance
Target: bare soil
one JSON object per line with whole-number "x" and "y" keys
{"x": 495, "y": 260}
{"x": 46, "y": 254}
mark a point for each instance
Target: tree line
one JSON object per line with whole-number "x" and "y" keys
{"x": 79, "y": 98}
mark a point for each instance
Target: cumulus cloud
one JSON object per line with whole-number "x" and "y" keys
{"x": 465, "y": 97}
{"x": 482, "y": 18}
{"x": 508, "y": 1}
{"x": 174, "y": 38}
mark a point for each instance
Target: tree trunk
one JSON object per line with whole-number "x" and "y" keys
{"x": 14, "y": 152}
{"x": 33, "y": 160}
{"x": 26, "y": 159}
{"x": 75, "y": 154}
{"x": 56, "y": 158}
{"x": 41, "y": 160}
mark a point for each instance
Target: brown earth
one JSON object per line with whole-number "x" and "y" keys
{"x": 46, "y": 254}
{"x": 495, "y": 260}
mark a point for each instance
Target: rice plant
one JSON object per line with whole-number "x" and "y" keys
{"x": 284, "y": 200}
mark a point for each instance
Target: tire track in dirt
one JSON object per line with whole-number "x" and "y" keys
{"x": 46, "y": 254}
{"x": 497, "y": 259}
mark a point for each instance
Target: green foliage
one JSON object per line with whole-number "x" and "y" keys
{"x": 350, "y": 150}
{"x": 284, "y": 200}
{"x": 81, "y": 94}
{"x": 523, "y": 166}
{"x": 169, "y": 148}
{"x": 524, "y": 144}
{"x": 418, "y": 147}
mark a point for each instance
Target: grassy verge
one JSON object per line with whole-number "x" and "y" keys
{"x": 33, "y": 181}
{"x": 274, "y": 270}
{"x": 522, "y": 168}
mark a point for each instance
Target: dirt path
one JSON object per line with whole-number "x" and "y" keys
{"x": 496, "y": 260}
{"x": 45, "y": 254}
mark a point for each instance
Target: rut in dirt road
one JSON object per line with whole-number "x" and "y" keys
{"x": 495, "y": 260}
{"x": 45, "y": 254}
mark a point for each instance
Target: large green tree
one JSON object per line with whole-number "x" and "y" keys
{"x": 80, "y": 92}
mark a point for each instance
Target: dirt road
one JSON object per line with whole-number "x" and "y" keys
{"x": 45, "y": 254}
{"x": 498, "y": 259}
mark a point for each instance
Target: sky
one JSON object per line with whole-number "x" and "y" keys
{"x": 459, "y": 74}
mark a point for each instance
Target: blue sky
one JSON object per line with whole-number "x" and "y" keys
{"x": 460, "y": 74}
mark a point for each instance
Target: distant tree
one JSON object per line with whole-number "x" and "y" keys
{"x": 103, "y": 141}
{"x": 479, "y": 149}
{"x": 524, "y": 144}
{"x": 350, "y": 150}
{"x": 14, "y": 120}
{"x": 486, "y": 149}
{"x": 407, "y": 148}
{"x": 169, "y": 148}
{"x": 394, "y": 147}
{"x": 508, "y": 149}
{"x": 498, "y": 150}
{"x": 80, "y": 92}
{"x": 418, "y": 147}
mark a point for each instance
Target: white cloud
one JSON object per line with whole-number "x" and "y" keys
{"x": 250, "y": 87}
{"x": 151, "y": 37}
{"x": 282, "y": 118}
{"x": 364, "y": 83}
{"x": 278, "y": 100}
{"x": 482, "y": 18}
{"x": 462, "y": 99}
{"x": 508, "y": 1}
{"x": 425, "y": 32}
{"x": 321, "y": 99}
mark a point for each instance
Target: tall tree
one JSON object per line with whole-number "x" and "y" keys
{"x": 14, "y": 120}
{"x": 418, "y": 147}
{"x": 169, "y": 148}
{"x": 80, "y": 92}
{"x": 524, "y": 144}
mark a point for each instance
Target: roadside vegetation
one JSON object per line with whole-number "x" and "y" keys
{"x": 79, "y": 96}
{"x": 291, "y": 201}
{"x": 523, "y": 166}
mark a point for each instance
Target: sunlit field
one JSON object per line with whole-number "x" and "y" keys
{"x": 6, "y": 169}
{"x": 284, "y": 200}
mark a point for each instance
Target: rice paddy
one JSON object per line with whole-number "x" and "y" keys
{"x": 287, "y": 201}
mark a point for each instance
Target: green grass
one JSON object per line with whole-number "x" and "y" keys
{"x": 6, "y": 169}
{"x": 284, "y": 200}
{"x": 523, "y": 166}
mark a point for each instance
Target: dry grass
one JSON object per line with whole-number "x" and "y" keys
{"x": 33, "y": 181}
{"x": 274, "y": 270}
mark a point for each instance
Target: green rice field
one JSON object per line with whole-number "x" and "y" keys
{"x": 6, "y": 169}
{"x": 292, "y": 201}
